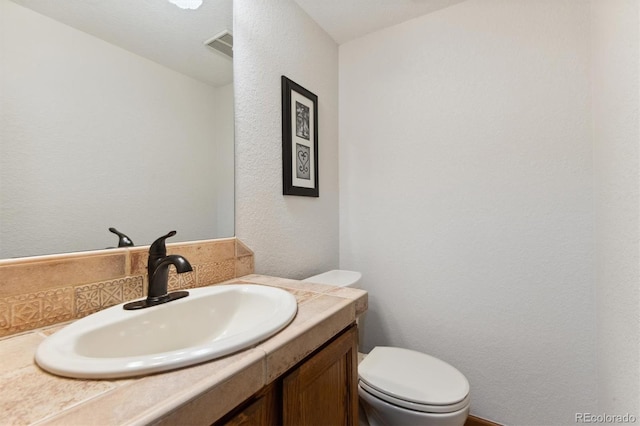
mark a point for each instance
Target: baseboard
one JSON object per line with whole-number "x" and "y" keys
{"x": 477, "y": 421}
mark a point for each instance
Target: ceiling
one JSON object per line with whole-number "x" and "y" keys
{"x": 154, "y": 29}
{"x": 174, "y": 37}
{"x": 346, "y": 20}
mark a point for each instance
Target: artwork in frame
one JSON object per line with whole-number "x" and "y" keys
{"x": 299, "y": 140}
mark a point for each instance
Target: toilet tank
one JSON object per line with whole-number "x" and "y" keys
{"x": 337, "y": 277}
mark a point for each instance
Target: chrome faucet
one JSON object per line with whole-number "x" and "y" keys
{"x": 158, "y": 272}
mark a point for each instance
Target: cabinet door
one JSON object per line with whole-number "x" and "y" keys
{"x": 263, "y": 409}
{"x": 323, "y": 390}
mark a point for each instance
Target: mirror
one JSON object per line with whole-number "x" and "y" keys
{"x": 113, "y": 114}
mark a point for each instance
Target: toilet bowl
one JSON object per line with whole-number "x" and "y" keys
{"x": 398, "y": 386}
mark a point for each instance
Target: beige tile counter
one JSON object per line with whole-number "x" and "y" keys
{"x": 28, "y": 395}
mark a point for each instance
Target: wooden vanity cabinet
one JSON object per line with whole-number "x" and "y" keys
{"x": 320, "y": 390}
{"x": 323, "y": 389}
{"x": 261, "y": 409}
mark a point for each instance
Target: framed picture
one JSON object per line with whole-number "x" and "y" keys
{"x": 299, "y": 140}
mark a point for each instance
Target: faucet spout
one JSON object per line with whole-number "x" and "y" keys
{"x": 158, "y": 273}
{"x": 159, "y": 277}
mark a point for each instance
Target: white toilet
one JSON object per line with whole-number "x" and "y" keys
{"x": 403, "y": 387}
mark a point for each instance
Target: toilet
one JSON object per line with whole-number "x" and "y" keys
{"x": 400, "y": 386}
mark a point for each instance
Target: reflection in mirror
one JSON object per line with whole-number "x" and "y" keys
{"x": 113, "y": 114}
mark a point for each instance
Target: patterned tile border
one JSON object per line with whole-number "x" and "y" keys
{"x": 95, "y": 297}
{"x": 181, "y": 281}
{"x": 216, "y": 272}
{"x": 33, "y": 310}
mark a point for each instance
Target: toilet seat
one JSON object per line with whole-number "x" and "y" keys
{"x": 424, "y": 408}
{"x": 413, "y": 380}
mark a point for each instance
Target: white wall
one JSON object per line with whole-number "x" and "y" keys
{"x": 94, "y": 136}
{"x": 291, "y": 236}
{"x": 466, "y": 198}
{"x": 615, "y": 71}
{"x": 223, "y": 162}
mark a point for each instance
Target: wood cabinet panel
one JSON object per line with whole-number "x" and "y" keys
{"x": 323, "y": 390}
{"x": 262, "y": 409}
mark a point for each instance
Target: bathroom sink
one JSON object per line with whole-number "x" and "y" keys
{"x": 210, "y": 323}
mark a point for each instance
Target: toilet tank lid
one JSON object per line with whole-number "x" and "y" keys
{"x": 337, "y": 277}
{"x": 413, "y": 376}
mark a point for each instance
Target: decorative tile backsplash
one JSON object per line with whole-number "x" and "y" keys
{"x": 45, "y": 290}
{"x": 97, "y": 296}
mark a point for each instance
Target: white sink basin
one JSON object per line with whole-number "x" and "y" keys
{"x": 211, "y": 322}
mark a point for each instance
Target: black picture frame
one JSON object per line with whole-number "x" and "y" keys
{"x": 299, "y": 140}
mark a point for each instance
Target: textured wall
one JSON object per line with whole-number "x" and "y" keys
{"x": 616, "y": 135}
{"x": 466, "y": 198}
{"x": 292, "y": 236}
{"x": 94, "y": 136}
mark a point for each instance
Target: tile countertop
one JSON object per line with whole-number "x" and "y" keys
{"x": 28, "y": 395}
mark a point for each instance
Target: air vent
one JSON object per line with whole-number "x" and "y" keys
{"x": 222, "y": 42}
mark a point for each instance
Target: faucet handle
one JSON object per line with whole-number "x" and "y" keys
{"x": 123, "y": 241}
{"x": 158, "y": 248}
